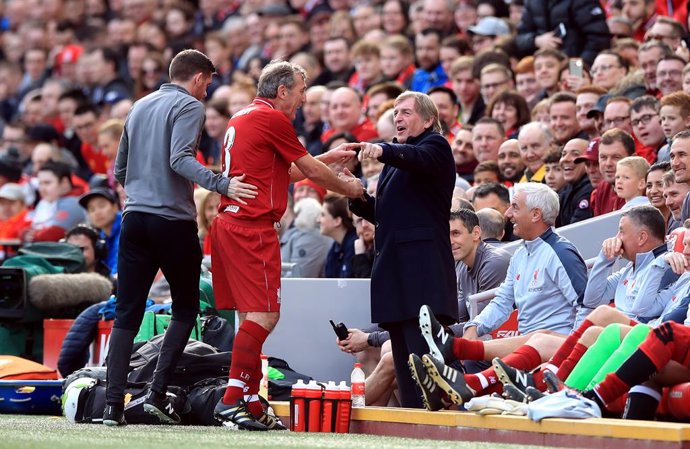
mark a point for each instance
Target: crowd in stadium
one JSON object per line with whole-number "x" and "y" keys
{"x": 554, "y": 115}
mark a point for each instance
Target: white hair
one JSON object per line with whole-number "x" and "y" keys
{"x": 542, "y": 197}
{"x": 546, "y": 132}
{"x": 307, "y": 211}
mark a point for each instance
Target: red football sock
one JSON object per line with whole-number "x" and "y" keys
{"x": 464, "y": 349}
{"x": 245, "y": 353}
{"x": 525, "y": 358}
{"x": 611, "y": 388}
{"x": 252, "y": 391}
{"x": 568, "y": 364}
{"x": 569, "y": 343}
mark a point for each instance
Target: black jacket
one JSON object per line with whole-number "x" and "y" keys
{"x": 413, "y": 262}
{"x": 574, "y": 199}
{"x": 584, "y": 20}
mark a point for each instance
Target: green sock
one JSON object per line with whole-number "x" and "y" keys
{"x": 607, "y": 342}
{"x": 629, "y": 344}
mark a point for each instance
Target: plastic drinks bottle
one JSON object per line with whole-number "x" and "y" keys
{"x": 357, "y": 380}
{"x": 298, "y": 407}
{"x": 313, "y": 395}
{"x": 330, "y": 407}
{"x": 342, "y": 424}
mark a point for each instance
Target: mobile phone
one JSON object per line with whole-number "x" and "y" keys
{"x": 340, "y": 330}
{"x": 575, "y": 67}
{"x": 560, "y": 31}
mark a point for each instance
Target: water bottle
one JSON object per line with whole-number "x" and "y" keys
{"x": 357, "y": 381}
{"x": 329, "y": 412}
{"x": 342, "y": 424}
{"x": 313, "y": 395}
{"x": 298, "y": 416}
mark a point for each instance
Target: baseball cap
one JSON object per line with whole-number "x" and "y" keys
{"x": 13, "y": 192}
{"x": 321, "y": 9}
{"x": 592, "y": 153}
{"x": 105, "y": 193}
{"x": 599, "y": 106}
{"x": 490, "y": 26}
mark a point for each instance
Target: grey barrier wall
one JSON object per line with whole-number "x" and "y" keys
{"x": 305, "y": 339}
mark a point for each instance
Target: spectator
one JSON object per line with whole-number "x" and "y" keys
{"x": 649, "y": 54}
{"x": 535, "y": 140}
{"x": 438, "y": 14}
{"x": 615, "y": 144}
{"x": 675, "y": 117}
{"x": 642, "y": 15}
{"x": 363, "y": 260}
{"x": 553, "y": 175}
{"x": 617, "y": 115}
{"x": 645, "y": 121}
{"x": 487, "y": 136}
{"x": 575, "y": 197}
{"x": 103, "y": 211}
{"x": 486, "y": 33}
{"x": 379, "y": 94}
{"x": 307, "y": 188}
{"x": 397, "y": 60}
{"x": 366, "y": 58}
{"x": 584, "y": 21}
{"x": 511, "y": 111}
{"x": 669, "y": 74}
{"x": 655, "y": 190}
{"x": 510, "y": 163}
{"x": 14, "y": 219}
{"x": 486, "y": 173}
{"x": 680, "y": 164}
{"x": 447, "y": 104}
{"x": 312, "y": 125}
{"x": 336, "y": 222}
{"x": 301, "y": 243}
{"x": 56, "y": 212}
{"x": 336, "y": 58}
{"x": 463, "y": 153}
{"x": 106, "y": 85}
{"x": 86, "y": 122}
{"x": 563, "y": 118}
{"x": 394, "y": 18}
{"x": 430, "y": 72}
{"x": 466, "y": 88}
{"x": 452, "y": 48}
{"x": 608, "y": 69}
{"x": 494, "y": 79}
{"x": 586, "y": 99}
{"x": 668, "y": 31}
{"x": 345, "y": 115}
{"x": 630, "y": 181}
{"x": 217, "y": 116}
{"x": 526, "y": 81}
{"x": 293, "y": 38}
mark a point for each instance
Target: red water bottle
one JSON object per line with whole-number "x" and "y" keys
{"x": 330, "y": 407}
{"x": 313, "y": 396}
{"x": 298, "y": 407}
{"x": 342, "y": 424}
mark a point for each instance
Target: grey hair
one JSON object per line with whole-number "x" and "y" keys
{"x": 542, "y": 197}
{"x": 307, "y": 211}
{"x": 424, "y": 106}
{"x": 544, "y": 128}
{"x": 275, "y": 74}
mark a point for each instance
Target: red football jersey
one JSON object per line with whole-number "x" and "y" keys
{"x": 261, "y": 143}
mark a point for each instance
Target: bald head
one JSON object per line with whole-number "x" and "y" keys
{"x": 345, "y": 109}
{"x": 491, "y": 223}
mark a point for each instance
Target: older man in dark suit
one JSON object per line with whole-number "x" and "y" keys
{"x": 413, "y": 262}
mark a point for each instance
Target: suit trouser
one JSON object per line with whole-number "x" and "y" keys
{"x": 406, "y": 338}
{"x": 149, "y": 242}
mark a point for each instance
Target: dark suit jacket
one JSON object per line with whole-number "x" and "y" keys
{"x": 413, "y": 262}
